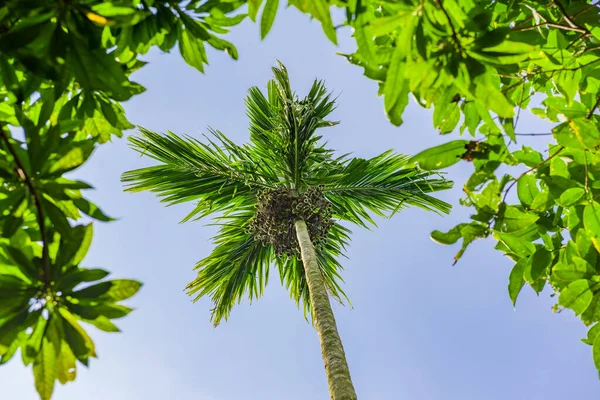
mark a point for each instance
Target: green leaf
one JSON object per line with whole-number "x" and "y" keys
{"x": 23, "y": 262}
{"x": 113, "y": 311}
{"x": 34, "y": 342}
{"x": 80, "y": 343}
{"x": 450, "y": 237}
{"x": 268, "y": 17}
{"x": 97, "y": 70}
{"x": 98, "y": 127}
{"x": 121, "y": 289}
{"x": 224, "y": 45}
{"x": 192, "y": 50}
{"x": 73, "y": 159}
{"x": 76, "y": 276}
{"x": 66, "y": 365}
{"x": 253, "y": 7}
{"x": 591, "y": 218}
{"x": 516, "y": 281}
{"x": 92, "y": 291}
{"x": 577, "y": 295}
{"x": 470, "y": 232}
{"x": 10, "y": 351}
{"x": 441, "y": 156}
{"x": 44, "y": 370}
{"x": 86, "y": 241}
{"x": 194, "y": 27}
{"x": 515, "y": 244}
{"x": 540, "y": 263}
{"x": 592, "y": 335}
{"x": 319, "y": 9}
{"x": 73, "y": 249}
{"x": 596, "y": 352}
{"x": 572, "y": 271}
{"x": 571, "y": 197}
{"x": 527, "y": 189}
{"x": 82, "y": 311}
{"x": 396, "y": 86}
{"x": 514, "y": 219}
{"x": 109, "y": 9}
{"x": 59, "y": 220}
{"x": 103, "y": 323}
{"x": 542, "y": 201}
{"x": 91, "y": 210}
{"x": 586, "y": 132}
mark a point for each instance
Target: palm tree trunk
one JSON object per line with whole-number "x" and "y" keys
{"x": 336, "y": 366}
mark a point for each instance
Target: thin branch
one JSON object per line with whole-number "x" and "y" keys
{"x": 525, "y": 21}
{"x": 552, "y": 25}
{"x": 590, "y": 7}
{"x": 520, "y": 108}
{"x": 529, "y": 170}
{"x": 454, "y": 34}
{"x": 37, "y": 201}
{"x": 568, "y": 19}
{"x": 586, "y": 183}
{"x": 577, "y": 39}
{"x": 592, "y": 48}
{"x": 591, "y": 113}
{"x": 533, "y": 134}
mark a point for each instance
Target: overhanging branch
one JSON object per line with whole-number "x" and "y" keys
{"x": 21, "y": 171}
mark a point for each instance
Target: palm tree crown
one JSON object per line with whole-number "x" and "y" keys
{"x": 260, "y": 188}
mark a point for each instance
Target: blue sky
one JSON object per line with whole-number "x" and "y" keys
{"x": 420, "y": 328}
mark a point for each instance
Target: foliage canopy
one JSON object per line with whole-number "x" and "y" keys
{"x": 65, "y": 66}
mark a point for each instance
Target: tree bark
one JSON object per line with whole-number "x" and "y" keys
{"x": 336, "y": 366}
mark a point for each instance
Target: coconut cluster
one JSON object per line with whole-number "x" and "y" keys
{"x": 276, "y": 212}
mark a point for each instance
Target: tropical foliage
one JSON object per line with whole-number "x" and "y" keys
{"x": 540, "y": 204}
{"x": 65, "y": 68}
{"x": 261, "y": 190}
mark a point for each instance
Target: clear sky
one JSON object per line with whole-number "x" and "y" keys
{"x": 420, "y": 328}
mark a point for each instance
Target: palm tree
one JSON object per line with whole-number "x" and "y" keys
{"x": 279, "y": 202}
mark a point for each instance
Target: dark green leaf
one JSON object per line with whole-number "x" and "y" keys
{"x": 91, "y": 209}
{"x": 515, "y": 280}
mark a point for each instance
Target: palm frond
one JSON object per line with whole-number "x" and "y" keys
{"x": 237, "y": 267}
{"x": 282, "y": 127}
{"x": 359, "y": 188}
{"x": 217, "y": 175}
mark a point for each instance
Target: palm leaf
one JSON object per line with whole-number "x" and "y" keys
{"x": 381, "y": 186}
{"x": 217, "y": 176}
{"x": 237, "y": 266}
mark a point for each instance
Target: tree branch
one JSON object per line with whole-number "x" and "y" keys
{"x": 37, "y": 201}
{"x": 533, "y": 134}
{"x": 552, "y": 25}
{"x": 454, "y": 34}
{"x": 568, "y": 19}
{"x": 591, "y": 113}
